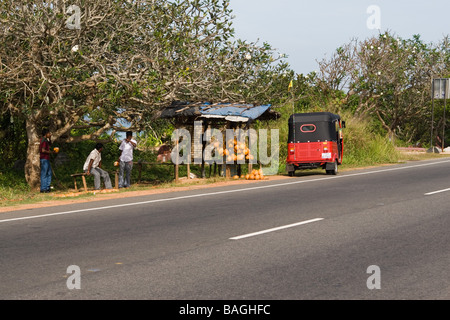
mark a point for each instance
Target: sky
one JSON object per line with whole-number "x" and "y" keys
{"x": 308, "y": 31}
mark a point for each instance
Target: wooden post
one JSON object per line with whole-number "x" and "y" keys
{"x": 84, "y": 182}
{"x": 203, "y": 169}
{"x": 227, "y": 166}
{"x": 192, "y": 153}
{"x": 188, "y": 171}
{"x": 204, "y": 126}
{"x": 176, "y": 172}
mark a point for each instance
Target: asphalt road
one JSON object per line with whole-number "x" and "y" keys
{"x": 309, "y": 237}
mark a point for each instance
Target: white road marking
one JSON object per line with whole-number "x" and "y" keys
{"x": 275, "y": 229}
{"x": 439, "y": 191}
{"x": 222, "y": 192}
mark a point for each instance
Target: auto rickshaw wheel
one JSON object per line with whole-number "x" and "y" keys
{"x": 333, "y": 171}
{"x": 292, "y": 172}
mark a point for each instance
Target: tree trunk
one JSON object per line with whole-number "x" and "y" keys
{"x": 32, "y": 164}
{"x": 391, "y": 136}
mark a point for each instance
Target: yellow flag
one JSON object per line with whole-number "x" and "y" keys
{"x": 290, "y": 85}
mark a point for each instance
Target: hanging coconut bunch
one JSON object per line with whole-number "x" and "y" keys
{"x": 241, "y": 151}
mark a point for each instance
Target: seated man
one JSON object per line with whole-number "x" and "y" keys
{"x": 93, "y": 166}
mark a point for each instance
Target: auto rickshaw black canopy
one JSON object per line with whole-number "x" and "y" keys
{"x": 324, "y": 127}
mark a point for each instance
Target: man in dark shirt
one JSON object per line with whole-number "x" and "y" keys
{"x": 44, "y": 151}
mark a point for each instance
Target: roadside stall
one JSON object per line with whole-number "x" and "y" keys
{"x": 220, "y": 116}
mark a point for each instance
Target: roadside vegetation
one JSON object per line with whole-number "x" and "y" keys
{"x": 91, "y": 85}
{"x": 363, "y": 147}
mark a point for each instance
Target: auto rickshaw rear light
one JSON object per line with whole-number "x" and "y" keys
{"x": 291, "y": 151}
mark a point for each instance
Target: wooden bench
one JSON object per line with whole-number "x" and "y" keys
{"x": 83, "y": 178}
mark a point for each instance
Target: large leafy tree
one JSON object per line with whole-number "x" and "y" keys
{"x": 84, "y": 64}
{"x": 389, "y": 78}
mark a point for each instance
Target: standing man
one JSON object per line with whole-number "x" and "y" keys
{"x": 44, "y": 156}
{"x": 126, "y": 160}
{"x": 93, "y": 165}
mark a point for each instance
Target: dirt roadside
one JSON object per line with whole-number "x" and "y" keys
{"x": 58, "y": 199}
{"x": 183, "y": 185}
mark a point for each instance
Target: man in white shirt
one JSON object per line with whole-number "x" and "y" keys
{"x": 93, "y": 166}
{"x": 126, "y": 160}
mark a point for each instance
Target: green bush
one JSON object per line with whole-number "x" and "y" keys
{"x": 364, "y": 147}
{"x": 12, "y": 185}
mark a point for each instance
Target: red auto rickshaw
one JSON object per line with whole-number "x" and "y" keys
{"x": 315, "y": 141}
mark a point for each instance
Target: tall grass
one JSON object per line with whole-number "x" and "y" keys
{"x": 364, "y": 147}
{"x": 13, "y": 186}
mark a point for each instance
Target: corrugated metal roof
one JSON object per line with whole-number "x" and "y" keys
{"x": 235, "y": 112}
